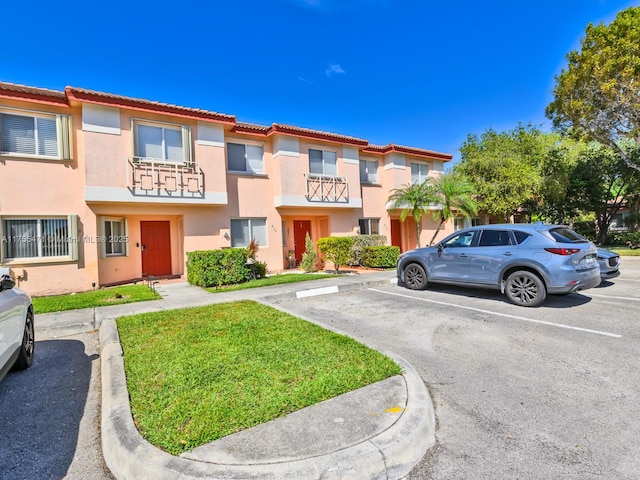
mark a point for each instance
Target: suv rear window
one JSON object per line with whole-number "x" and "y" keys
{"x": 566, "y": 235}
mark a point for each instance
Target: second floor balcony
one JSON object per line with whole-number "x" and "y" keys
{"x": 326, "y": 189}
{"x": 150, "y": 177}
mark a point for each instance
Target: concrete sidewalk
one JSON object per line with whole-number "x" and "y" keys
{"x": 379, "y": 431}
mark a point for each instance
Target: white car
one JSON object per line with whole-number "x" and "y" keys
{"x": 16, "y": 325}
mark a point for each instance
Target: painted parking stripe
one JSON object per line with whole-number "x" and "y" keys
{"x": 611, "y": 296}
{"x": 317, "y": 291}
{"x": 513, "y": 317}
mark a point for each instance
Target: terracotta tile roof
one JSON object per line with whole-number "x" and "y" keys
{"x": 109, "y": 99}
{"x": 40, "y": 95}
{"x": 43, "y": 95}
{"x": 419, "y": 152}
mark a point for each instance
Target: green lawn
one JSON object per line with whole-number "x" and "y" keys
{"x": 196, "y": 375}
{"x": 94, "y": 298}
{"x": 272, "y": 280}
{"x": 625, "y": 251}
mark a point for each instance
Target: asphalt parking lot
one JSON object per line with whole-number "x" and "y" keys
{"x": 549, "y": 392}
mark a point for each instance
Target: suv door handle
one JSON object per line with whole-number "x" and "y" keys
{"x": 463, "y": 255}
{"x": 508, "y": 254}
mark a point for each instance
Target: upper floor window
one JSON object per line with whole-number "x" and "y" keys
{"x": 369, "y": 226}
{"x": 45, "y": 238}
{"x": 419, "y": 172}
{"x": 38, "y": 135}
{"x": 323, "y": 162}
{"x": 169, "y": 143}
{"x": 245, "y": 158}
{"x": 368, "y": 171}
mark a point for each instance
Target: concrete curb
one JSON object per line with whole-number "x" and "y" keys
{"x": 389, "y": 455}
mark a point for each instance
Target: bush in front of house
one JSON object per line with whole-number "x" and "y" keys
{"x": 214, "y": 268}
{"x": 383, "y": 256}
{"x": 309, "y": 257}
{"x": 336, "y": 250}
{"x": 623, "y": 237}
{"x": 362, "y": 241}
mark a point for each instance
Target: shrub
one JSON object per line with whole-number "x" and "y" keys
{"x": 623, "y": 237}
{"x": 362, "y": 241}
{"x": 336, "y": 250}
{"x": 309, "y": 257}
{"x": 586, "y": 228}
{"x": 208, "y": 268}
{"x": 380, "y": 256}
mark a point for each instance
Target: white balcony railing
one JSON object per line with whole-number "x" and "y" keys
{"x": 323, "y": 188}
{"x": 159, "y": 178}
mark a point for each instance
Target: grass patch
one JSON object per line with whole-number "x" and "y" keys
{"x": 196, "y": 375}
{"x": 94, "y": 298}
{"x": 626, "y": 251}
{"x": 273, "y": 280}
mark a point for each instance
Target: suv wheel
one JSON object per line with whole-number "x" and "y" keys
{"x": 525, "y": 289}
{"x": 415, "y": 277}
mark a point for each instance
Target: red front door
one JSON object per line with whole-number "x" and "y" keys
{"x": 396, "y": 235}
{"x": 156, "y": 248}
{"x": 300, "y": 229}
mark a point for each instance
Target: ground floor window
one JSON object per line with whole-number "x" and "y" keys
{"x": 369, "y": 226}
{"x": 114, "y": 237}
{"x": 34, "y": 238}
{"x": 243, "y": 230}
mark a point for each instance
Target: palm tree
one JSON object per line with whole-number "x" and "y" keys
{"x": 453, "y": 193}
{"x": 414, "y": 199}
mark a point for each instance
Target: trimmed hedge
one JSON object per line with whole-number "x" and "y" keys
{"x": 362, "y": 241}
{"x": 213, "y": 268}
{"x": 623, "y": 237}
{"x": 380, "y": 256}
{"x": 336, "y": 250}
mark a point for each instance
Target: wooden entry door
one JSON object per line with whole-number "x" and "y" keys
{"x": 300, "y": 229}
{"x": 396, "y": 235}
{"x": 156, "y": 248}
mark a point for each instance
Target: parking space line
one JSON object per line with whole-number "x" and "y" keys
{"x": 514, "y": 317}
{"x": 611, "y": 296}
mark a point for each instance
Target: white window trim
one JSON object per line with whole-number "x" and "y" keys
{"x": 103, "y": 240}
{"x": 422, "y": 164}
{"x": 322, "y": 149}
{"x": 72, "y": 228}
{"x": 371, "y": 160}
{"x": 248, "y": 171}
{"x": 63, "y": 134}
{"x": 187, "y": 149}
{"x": 368, "y": 220}
{"x": 251, "y": 231}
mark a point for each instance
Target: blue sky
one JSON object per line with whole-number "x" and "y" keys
{"x": 419, "y": 73}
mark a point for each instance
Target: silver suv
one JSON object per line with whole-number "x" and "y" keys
{"x": 525, "y": 261}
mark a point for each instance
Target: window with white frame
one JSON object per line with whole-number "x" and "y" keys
{"x": 114, "y": 239}
{"x": 35, "y": 134}
{"x": 458, "y": 223}
{"x": 477, "y": 221}
{"x": 368, "y": 171}
{"x": 46, "y": 238}
{"x": 243, "y": 230}
{"x": 323, "y": 162}
{"x": 245, "y": 158}
{"x": 369, "y": 226}
{"x": 419, "y": 172}
{"x": 169, "y": 143}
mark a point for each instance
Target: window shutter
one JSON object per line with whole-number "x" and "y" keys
{"x": 18, "y": 134}
{"x": 102, "y": 245}
{"x": 65, "y": 139}
{"x": 72, "y": 222}
{"x": 186, "y": 144}
{"x": 47, "y": 137}
{"x": 126, "y": 234}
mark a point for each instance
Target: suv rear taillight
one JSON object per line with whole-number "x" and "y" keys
{"x": 563, "y": 251}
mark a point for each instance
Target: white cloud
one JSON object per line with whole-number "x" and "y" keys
{"x": 334, "y": 69}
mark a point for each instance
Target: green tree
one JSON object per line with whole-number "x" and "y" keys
{"x": 309, "y": 257}
{"x": 413, "y": 199}
{"x": 503, "y": 168}
{"x": 454, "y": 194}
{"x": 601, "y": 182}
{"x": 596, "y": 96}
